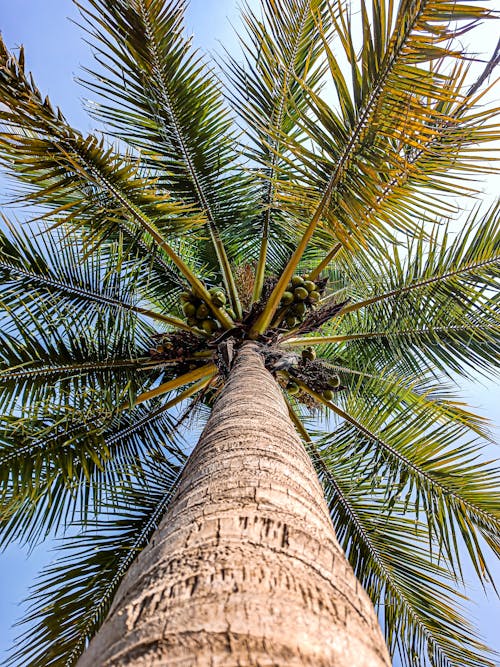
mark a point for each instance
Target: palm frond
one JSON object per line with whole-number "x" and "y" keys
{"x": 413, "y": 591}
{"x": 171, "y": 109}
{"x": 54, "y": 161}
{"x": 408, "y": 114}
{"x": 399, "y": 97}
{"x": 72, "y": 596}
{"x": 61, "y": 469}
{"x": 422, "y": 463}
{"x": 435, "y": 307}
{"x": 67, "y": 330}
{"x": 58, "y": 270}
{"x": 389, "y": 552}
{"x": 282, "y": 47}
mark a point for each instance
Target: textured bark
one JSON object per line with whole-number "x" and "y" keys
{"x": 245, "y": 568}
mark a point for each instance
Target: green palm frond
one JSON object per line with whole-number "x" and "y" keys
{"x": 282, "y": 47}
{"x": 434, "y": 307}
{"x": 72, "y": 596}
{"x": 61, "y": 169}
{"x": 51, "y": 271}
{"x": 50, "y": 354}
{"x": 45, "y": 266}
{"x": 421, "y": 462}
{"x": 54, "y": 161}
{"x": 400, "y": 97}
{"x": 389, "y": 552}
{"x": 35, "y": 376}
{"x": 404, "y": 116}
{"x": 61, "y": 468}
{"x": 171, "y": 109}
{"x": 415, "y": 392}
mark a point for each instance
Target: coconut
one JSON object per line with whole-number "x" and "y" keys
{"x": 328, "y": 394}
{"x": 202, "y": 311}
{"x": 300, "y": 308}
{"x": 290, "y": 320}
{"x": 209, "y": 326}
{"x": 189, "y": 309}
{"x": 308, "y": 354}
{"x": 292, "y": 388}
{"x": 301, "y": 293}
{"x": 217, "y": 296}
{"x": 314, "y": 295}
{"x": 309, "y": 285}
{"x": 297, "y": 281}
{"x": 186, "y": 296}
{"x": 334, "y": 381}
{"x": 287, "y": 298}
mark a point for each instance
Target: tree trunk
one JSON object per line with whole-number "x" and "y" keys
{"x": 244, "y": 569}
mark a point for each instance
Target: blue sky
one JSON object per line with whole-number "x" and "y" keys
{"x": 55, "y": 52}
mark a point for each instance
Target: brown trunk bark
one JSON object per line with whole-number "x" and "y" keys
{"x": 245, "y": 568}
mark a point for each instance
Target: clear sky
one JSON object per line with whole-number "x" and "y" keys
{"x": 55, "y": 52}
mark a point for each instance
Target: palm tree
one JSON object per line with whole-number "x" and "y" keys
{"x": 261, "y": 252}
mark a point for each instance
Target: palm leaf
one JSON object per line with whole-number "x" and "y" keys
{"x": 73, "y": 595}
{"x": 436, "y": 308}
{"x": 389, "y": 552}
{"x": 171, "y": 109}
{"x": 266, "y": 94}
{"x": 346, "y": 161}
{"x": 53, "y": 161}
{"x": 47, "y": 265}
{"x": 61, "y": 468}
{"x": 423, "y": 465}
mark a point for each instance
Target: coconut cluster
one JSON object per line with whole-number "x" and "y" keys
{"x": 293, "y": 388}
{"x": 198, "y": 313}
{"x": 301, "y": 293}
{"x": 323, "y": 382}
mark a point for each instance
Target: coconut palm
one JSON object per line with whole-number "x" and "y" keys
{"x": 258, "y": 248}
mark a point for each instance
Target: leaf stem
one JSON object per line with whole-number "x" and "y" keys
{"x": 203, "y": 372}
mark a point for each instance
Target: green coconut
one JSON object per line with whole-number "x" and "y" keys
{"x": 309, "y": 285}
{"x": 334, "y": 381}
{"x": 328, "y": 394}
{"x": 189, "y": 309}
{"x": 202, "y": 311}
{"x": 297, "y": 281}
{"x": 209, "y": 326}
{"x": 301, "y": 293}
{"x": 309, "y": 354}
{"x": 290, "y": 321}
{"x": 218, "y": 296}
{"x": 186, "y": 296}
{"x": 292, "y": 388}
{"x": 300, "y": 308}
{"x": 314, "y": 296}
{"x": 287, "y": 298}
